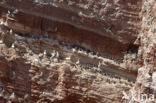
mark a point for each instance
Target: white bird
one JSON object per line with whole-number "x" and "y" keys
{"x": 35, "y": 60}
{"x": 9, "y": 12}
{"x": 78, "y": 62}
{"x": 13, "y": 45}
{"x": 1, "y": 41}
{"x": 40, "y": 55}
{"x": 52, "y": 55}
{"x": 11, "y": 31}
{"x": 13, "y": 75}
{"x": 26, "y": 96}
{"x": 41, "y": 74}
{"x": 45, "y": 52}
{"x": 99, "y": 65}
{"x": 57, "y": 54}
{"x": 64, "y": 63}
{"x": 81, "y": 13}
{"x": 85, "y": 53}
{"x": 15, "y": 11}
{"x": 73, "y": 49}
{"x": 125, "y": 96}
{"x": 10, "y": 18}
{"x": 13, "y": 97}
{"x": 68, "y": 58}
{"x": 2, "y": 93}
{"x": 2, "y": 23}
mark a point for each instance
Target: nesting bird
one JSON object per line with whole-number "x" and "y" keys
{"x": 45, "y": 52}
{"x": 52, "y": 55}
{"x": 13, "y": 75}
{"x": 2, "y": 93}
{"x": 57, "y": 54}
{"x": 26, "y": 96}
{"x": 1, "y": 41}
{"x": 13, "y": 45}
{"x": 11, "y": 31}
{"x": 2, "y": 23}
{"x": 125, "y": 96}
{"x": 64, "y": 63}
{"x": 40, "y": 55}
{"x": 73, "y": 49}
{"x": 35, "y": 60}
{"x": 13, "y": 97}
{"x": 78, "y": 62}
{"x": 41, "y": 74}
{"x": 68, "y": 58}
{"x": 9, "y": 12}
{"x": 15, "y": 11}
{"x": 99, "y": 65}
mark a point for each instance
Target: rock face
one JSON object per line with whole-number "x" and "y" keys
{"x": 84, "y": 23}
{"x": 41, "y": 70}
{"x": 77, "y": 51}
{"x": 146, "y": 81}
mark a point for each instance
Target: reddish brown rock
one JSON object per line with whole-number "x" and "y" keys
{"x": 145, "y": 83}
{"x": 77, "y": 51}
{"x": 85, "y": 23}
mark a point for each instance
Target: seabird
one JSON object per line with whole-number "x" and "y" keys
{"x": 26, "y": 96}
{"x": 45, "y": 52}
{"x": 13, "y": 75}
{"x": 78, "y": 62}
{"x": 57, "y": 54}
{"x": 73, "y": 49}
{"x": 15, "y": 11}
{"x": 2, "y": 23}
{"x": 13, "y": 46}
{"x": 1, "y": 41}
{"x": 52, "y": 55}
{"x": 13, "y": 97}
{"x": 68, "y": 58}
{"x": 9, "y": 12}
{"x": 11, "y": 31}
{"x": 40, "y": 55}
{"x": 35, "y": 60}
{"x": 2, "y": 93}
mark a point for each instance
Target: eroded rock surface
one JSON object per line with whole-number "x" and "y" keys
{"x": 146, "y": 81}
{"x": 85, "y": 23}
{"x": 40, "y": 70}
{"x": 76, "y": 51}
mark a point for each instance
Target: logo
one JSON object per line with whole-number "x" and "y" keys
{"x": 138, "y": 97}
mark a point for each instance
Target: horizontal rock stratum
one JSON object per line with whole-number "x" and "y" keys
{"x": 84, "y": 23}
{"x": 76, "y": 51}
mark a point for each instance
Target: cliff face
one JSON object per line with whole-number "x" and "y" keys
{"x": 41, "y": 70}
{"x": 146, "y": 80}
{"x": 85, "y": 23}
{"x": 76, "y": 51}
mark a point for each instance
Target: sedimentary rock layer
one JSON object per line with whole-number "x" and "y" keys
{"x": 37, "y": 70}
{"x": 77, "y": 51}
{"x": 93, "y": 25}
